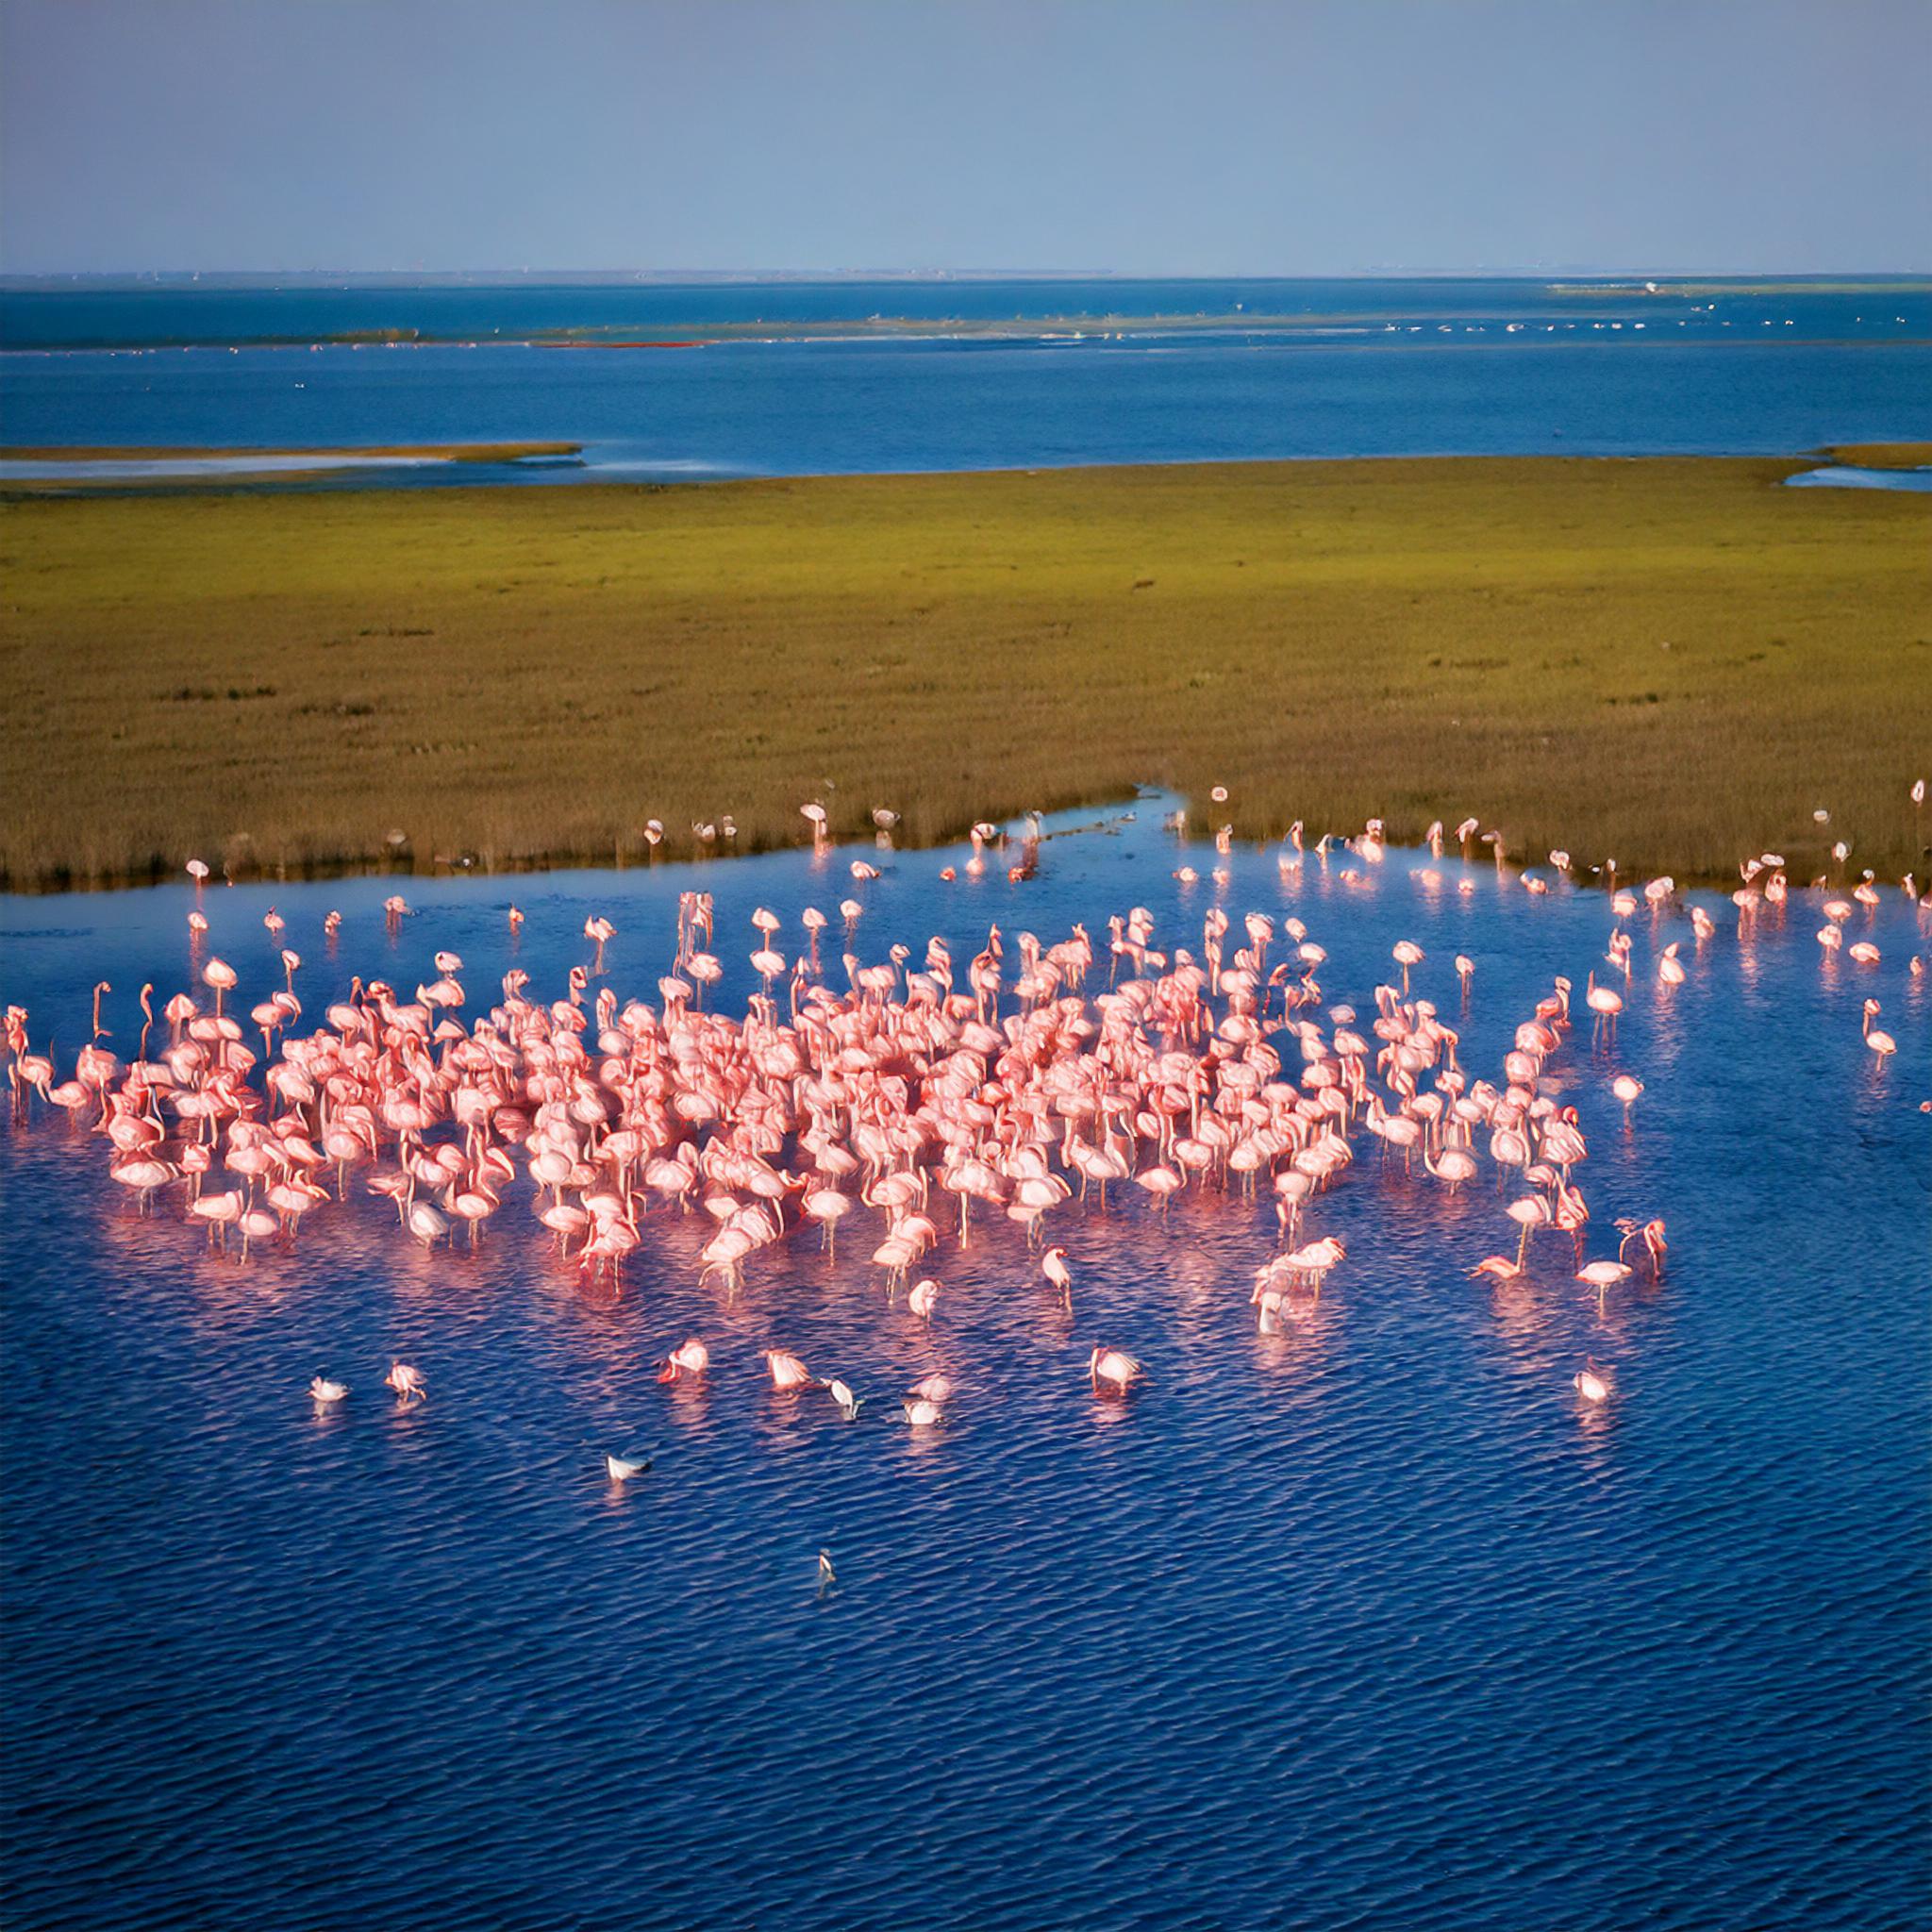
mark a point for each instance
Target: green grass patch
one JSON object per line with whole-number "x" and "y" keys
{"x": 1882, "y": 455}
{"x": 1670, "y": 662}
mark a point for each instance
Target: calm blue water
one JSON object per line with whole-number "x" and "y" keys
{"x": 1365, "y": 1626}
{"x": 1362, "y": 369}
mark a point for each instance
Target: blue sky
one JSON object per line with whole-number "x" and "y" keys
{"x": 1145, "y": 136}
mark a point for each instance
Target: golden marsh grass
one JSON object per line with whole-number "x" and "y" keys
{"x": 1670, "y": 661}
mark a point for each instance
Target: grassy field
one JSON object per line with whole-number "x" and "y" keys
{"x": 1670, "y": 661}
{"x": 1883, "y": 455}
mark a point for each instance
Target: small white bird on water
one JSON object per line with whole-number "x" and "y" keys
{"x": 1591, "y": 1382}
{"x": 622, "y": 1467}
{"x": 322, "y": 1390}
{"x": 849, "y": 1404}
{"x": 826, "y": 1573}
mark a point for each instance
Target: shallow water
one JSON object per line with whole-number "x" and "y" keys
{"x": 1286, "y": 370}
{"x": 1850, "y": 477}
{"x": 1367, "y": 1625}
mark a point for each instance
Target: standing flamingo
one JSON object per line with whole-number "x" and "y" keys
{"x": 1649, "y": 1235}
{"x": 405, "y": 1381}
{"x": 1052, "y": 1265}
{"x": 1881, "y": 1043}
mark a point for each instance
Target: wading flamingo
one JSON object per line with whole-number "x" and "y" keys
{"x": 1052, "y": 1265}
{"x": 1649, "y": 1235}
{"x": 407, "y": 1382}
{"x": 688, "y": 1361}
{"x": 1881, "y": 1043}
{"x": 1113, "y": 1372}
{"x": 787, "y": 1370}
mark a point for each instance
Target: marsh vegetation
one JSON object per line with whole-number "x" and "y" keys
{"x": 1672, "y": 661}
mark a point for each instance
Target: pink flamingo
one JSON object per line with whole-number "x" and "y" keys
{"x": 220, "y": 1211}
{"x": 1603, "y": 1277}
{"x": 690, "y": 1359}
{"x": 1649, "y": 1235}
{"x": 1881, "y": 1043}
{"x": 787, "y": 1370}
{"x": 219, "y": 975}
{"x": 1529, "y": 1212}
{"x": 1113, "y": 1372}
{"x": 1604, "y": 1003}
{"x": 1052, "y": 1265}
{"x": 1312, "y": 1262}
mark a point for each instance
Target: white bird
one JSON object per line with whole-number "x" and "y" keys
{"x": 405, "y": 1381}
{"x": 1591, "y": 1383}
{"x": 849, "y": 1404}
{"x": 1115, "y": 1370}
{"x": 622, "y": 1467}
{"x": 1603, "y": 1275}
{"x": 325, "y": 1391}
{"x": 826, "y": 1573}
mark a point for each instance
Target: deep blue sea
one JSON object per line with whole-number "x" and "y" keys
{"x": 1369, "y": 1624}
{"x": 1280, "y": 370}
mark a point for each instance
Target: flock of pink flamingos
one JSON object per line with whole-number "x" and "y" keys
{"x": 918, "y": 1093}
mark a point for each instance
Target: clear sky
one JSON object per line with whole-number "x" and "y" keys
{"x": 1210, "y": 137}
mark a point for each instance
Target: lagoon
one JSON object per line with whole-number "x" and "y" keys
{"x": 853, "y": 378}
{"x": 1369, "y": 1622}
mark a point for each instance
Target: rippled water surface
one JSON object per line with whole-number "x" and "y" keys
{"x": 1370, "y": 1624}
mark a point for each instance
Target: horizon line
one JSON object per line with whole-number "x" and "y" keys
{"x": 1500, "y": 272}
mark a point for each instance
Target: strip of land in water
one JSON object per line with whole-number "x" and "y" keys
{"x": 120, "y": 466}
{"x": 1670, "y": 661}
{"x": 1632, "y": 302}
{"x": 1882, "y": 455}
{"x": 447, "y": 452}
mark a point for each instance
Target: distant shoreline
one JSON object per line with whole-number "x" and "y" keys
{"x": 166, "y": 452}
{"x": 1319, "y": 332}
{"x": 216, "y": 468}
{"x": 1627, "y": 305}
{"x": 229, "y": 281}
{"x": 145, "y": 467}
